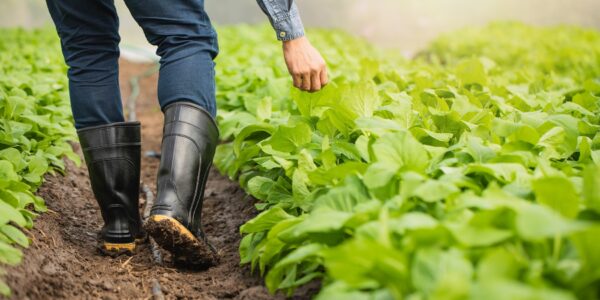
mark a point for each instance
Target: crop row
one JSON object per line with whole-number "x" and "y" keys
{"x": 471, "y": 171}
{"x": 35, "y": 128}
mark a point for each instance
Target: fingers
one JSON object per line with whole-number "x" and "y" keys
{"x": 301, "y": 80}
{"x": 311, "y": 81}
{"x": 297, "y": 80}
{"x": 306, "y": 81}
{"x": 318, "y": 79}
{"x": 324, "y": 77}
{"x": 315, "y": 81}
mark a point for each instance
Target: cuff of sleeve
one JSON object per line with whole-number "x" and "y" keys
{"x": 289, "y": 28}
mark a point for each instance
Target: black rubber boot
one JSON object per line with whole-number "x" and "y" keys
{"x": 190, "y": 137}
{"x": 112, "y": 155}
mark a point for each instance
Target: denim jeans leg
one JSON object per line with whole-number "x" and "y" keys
{"x": 187, "y": 45}
{"x": 89, "y": 36}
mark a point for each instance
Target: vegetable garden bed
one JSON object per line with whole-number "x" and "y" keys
{"x": 469, "y": 172}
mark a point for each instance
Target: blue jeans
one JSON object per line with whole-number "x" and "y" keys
{"x": 88, "y": 29}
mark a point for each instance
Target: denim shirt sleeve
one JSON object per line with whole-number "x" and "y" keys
{"x": 284, "y": 17}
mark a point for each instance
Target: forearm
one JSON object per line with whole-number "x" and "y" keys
{"x": 284, "y": 17}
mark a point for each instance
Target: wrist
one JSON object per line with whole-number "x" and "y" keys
{"x": 295, "y": 42}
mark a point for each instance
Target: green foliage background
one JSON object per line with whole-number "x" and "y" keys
{"x": 472, "y": 171}
{"x": 35, "y": 127}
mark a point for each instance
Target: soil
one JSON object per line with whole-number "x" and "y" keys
{"x": 63, "y": 263}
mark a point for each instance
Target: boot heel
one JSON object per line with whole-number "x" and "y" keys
{"x": 183, "y": 244}
{"x": 121, "y": 248}
{"x": 116, "y": 249}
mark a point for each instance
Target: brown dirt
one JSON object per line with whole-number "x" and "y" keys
{"x": 63, "y": 263}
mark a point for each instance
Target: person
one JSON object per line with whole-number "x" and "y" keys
{"x": 187, "y": 45}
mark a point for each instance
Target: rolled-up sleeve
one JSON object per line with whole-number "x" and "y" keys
{"x": 284, "y": 17}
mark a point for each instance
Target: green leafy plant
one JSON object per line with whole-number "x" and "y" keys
{"x": 35, "y": 127}
{"x": 471, "y": 171}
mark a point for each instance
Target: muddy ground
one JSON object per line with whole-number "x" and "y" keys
{"x": 63, "y": 263}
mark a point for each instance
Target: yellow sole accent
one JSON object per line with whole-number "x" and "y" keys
{"x": 119, "y": 247}
{"x": 174, "y": 223}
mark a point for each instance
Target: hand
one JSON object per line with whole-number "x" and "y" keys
{"x": 305, "y": 64}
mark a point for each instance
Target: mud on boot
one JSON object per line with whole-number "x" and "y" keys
{"x": 112, "y": 155}
{"x": 190, "y": 137}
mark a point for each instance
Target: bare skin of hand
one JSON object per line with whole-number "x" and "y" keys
{"x": 305, "y": 64}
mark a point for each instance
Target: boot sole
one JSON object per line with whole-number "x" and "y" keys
{"x": 117, "y": 249}
{"x": 177, "y": 239}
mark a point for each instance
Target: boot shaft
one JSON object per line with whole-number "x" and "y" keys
{"x": 190, "y": 137}
{"x": 113, "y": 155}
